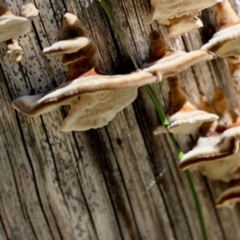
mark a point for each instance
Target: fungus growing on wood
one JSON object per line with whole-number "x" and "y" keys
{"x": 227, "y": 115}
{"x": 216, "y": 156}
{"x": 209, "y": 127}
{"x": 229, "y": 197}
{"x": 66, "y": 46}
{"x": 14, "y": 51}
{"x": 226, "y": 41}
{"x": 164, "y": 63}
{"x": 29, "y": 10}
{"x": 178, "y": 15}
{"x": 180, "y": 25}
{"x": 95, "y": 97}
{"x": 11, "y": 27}
{"x": 183, "y": 117}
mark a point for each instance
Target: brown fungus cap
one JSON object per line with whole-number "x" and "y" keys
{"x": 183, "y": 117}
{"x": 164, "y": 63}
{"x": 216, "y": 156}
{"x": 178, "y": 12}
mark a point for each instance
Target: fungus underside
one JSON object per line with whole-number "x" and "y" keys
{"x": 163, "y": 119}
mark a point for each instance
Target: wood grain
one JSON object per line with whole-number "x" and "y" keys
{"x": 117, "y": 182}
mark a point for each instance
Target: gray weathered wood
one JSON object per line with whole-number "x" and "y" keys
{"x": 117, "y": 182}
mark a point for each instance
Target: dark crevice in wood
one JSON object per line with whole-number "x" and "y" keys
{"x": 17, "y": 189}
{"x": 173, "y": 157}
{"x": 129, "y": 31}
{"x": 34, "y": 176}
{"x": 25, "y": 212}
{"x": 25, "y": 77}
{"x": 224, "y": 237}
{"x": 153, "y": 168}
{"x": 161, "y": 191}
{"x": 143, "y": 132}
{"x": 146, "y": 143}
{"x": 107, "y": 183}
{"x": 82, "y": 191}
{"x": 123, "y": 210}
{"x": 54, "y": 163}
{"x": 32, "y": 227}
{"x": 64, "y": 4}
{"x": 89, "y": 211}
{"x": 56, "y": 18}
{"x": 56, "y": 223}
{"x": 37, "y": 35}
{"x": 4, "y": 228}
{"x": 110, "y": 180}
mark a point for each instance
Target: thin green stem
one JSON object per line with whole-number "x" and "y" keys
{"x": 197, "y": 205}
{"x": 163, "y": 119}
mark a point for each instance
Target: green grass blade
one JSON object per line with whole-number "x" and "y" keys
{"x": 197, "y": 205}
{"x": 163, "y": 119}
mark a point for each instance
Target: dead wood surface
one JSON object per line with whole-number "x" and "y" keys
{"x": 117, "y": 182}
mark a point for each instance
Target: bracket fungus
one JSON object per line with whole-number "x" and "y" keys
{"x": 11, "y": 27}
{"x": 228, "y": 117}
{"x": 95, "y": 97}
{"x": 164, "y": 63}
{"x": 180, "y": 16}
{"x": 225, "y": 42}
{"x": 229, "y": 197}
{"x": 14, "y": 51}
{"x": 29, "y": 10}
{"x": 216, "y": 154}
{"x": 184, "y": 118}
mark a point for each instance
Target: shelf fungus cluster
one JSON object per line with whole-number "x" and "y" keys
{"x": 11, "y": 27}
{"x": 180, "y": 16}
{"x": 217, "y": 152}
{"x": 94, "y": 96}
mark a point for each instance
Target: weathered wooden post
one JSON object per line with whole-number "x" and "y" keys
{"x": 117, "y": 182}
